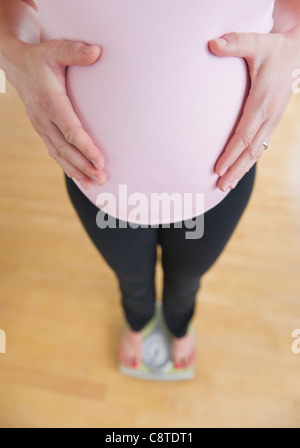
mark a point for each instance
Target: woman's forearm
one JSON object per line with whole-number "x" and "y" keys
{"x": 18, "y": 24}
{"x": 286, "y": 15}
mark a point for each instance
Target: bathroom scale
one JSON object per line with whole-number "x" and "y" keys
{"x": 156, "y": 362}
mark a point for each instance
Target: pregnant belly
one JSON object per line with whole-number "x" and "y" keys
{"x": 157, "y": 103}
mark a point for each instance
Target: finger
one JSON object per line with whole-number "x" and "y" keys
{"x": 68, "y": 168}
{"x": 69, "y": 124}
{"x": 242, "y": 45}
{"x": 246, "y": 160}
{"x": 74, "y": 156}
{"x": 244, "y": 134}
{"x": 67, "y": 53}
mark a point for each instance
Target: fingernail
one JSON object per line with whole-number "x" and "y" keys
{"x": 98, "y": 180}
{"x": 96, "y": 164}
{"x": 226, "y": 188}
{"x": 221, "y": 42}
{"x": 234, "y": 184}
{"x": 87, "y": 49}
{"x": 223, "y": 171}
{"x": 136, "y": 365}
{"x": 83, "y": 184}
{"x": 177, "y": 366}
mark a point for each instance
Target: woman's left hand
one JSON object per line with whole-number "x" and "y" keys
{"x": 272, "y": 60}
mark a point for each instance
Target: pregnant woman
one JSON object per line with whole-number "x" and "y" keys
{"x": 167, "y": 99}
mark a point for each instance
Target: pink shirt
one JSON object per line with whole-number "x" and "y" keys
{"x": 159, "y": 105}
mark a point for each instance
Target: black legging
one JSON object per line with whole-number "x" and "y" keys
{"x": 131, "y": 253}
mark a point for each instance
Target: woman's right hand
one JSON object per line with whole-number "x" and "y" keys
{"x": 39, "y": 78}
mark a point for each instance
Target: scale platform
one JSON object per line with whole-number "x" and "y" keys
{"x": 156, "y": 363}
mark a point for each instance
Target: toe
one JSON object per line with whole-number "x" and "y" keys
{"x": 184, "y": 363}
{"x": 132, "y": 361}
{"x": 126, "y": 360}
{"x": 187, "y": 362}
{"x": 181, "y": 363}
{"x": 176, "y": 364}
{"x": 138, "y": 361}
{"x": 193, "y": 357}
{"x": 190, "y": 361}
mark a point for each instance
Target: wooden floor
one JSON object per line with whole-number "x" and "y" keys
{"x": 61, "y": 312}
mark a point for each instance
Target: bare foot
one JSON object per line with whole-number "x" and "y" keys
{"x": 131, "y": 347}
{"x": 184, "y": 351}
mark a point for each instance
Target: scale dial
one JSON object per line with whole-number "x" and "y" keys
{"x": 157, "y": 351}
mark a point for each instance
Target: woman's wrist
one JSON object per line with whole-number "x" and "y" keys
{"x": 294, "y": 33}
{"x": 286, "y": 15}
{"x": 19, "y": 26}
{"x": 293, "y": 37}
{"x": 12, "y": 56}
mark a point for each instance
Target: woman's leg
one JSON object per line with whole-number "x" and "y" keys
{"x": 131, "y": 253}
{"x": 186, "y": 260}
